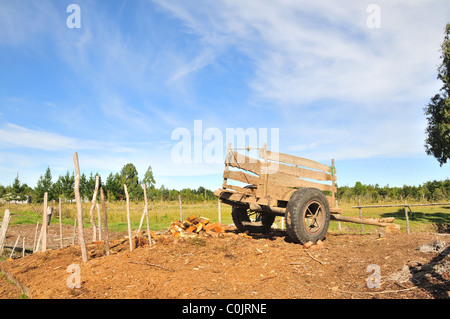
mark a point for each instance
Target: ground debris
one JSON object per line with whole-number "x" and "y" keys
{"x": 436, "y": 246}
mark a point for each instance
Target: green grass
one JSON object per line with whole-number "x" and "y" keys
{"x": 161, "y": 214}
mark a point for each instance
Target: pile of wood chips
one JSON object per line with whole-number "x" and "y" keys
{"x": 194, "y": 226}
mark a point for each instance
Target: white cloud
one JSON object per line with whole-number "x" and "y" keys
{"x": 330, "y": 76}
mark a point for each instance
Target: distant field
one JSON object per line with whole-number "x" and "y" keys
{"x": 161, "y": 214}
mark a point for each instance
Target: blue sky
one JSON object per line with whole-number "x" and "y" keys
{"x": 117, "y": 88}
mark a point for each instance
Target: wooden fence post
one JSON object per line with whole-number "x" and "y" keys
{"x": 14, "y": 247}
{"x": 4, "y": 229}
{"x": 92, "y": 210}
{"x": 105, "y": 220}
{"x": 220, "y": 212}
{"x": 360, "y": 213}
{"x": 60, "y": 224}
{"x": 407, "y": 217}
{"x": 74, "y": 231}
{"x": 44, "y": 224}
{"x": 99, "y": 218}
{"x": 128, "y": 217}
{"x": 35, "y": 238}
{"x": 146, "y": 215}
{"x": 181, "y": 209}
{"x": 79, "y": 209}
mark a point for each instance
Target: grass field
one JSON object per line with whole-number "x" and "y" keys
{"x": 161, "y": 214}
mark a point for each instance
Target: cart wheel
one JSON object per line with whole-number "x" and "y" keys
{"x": 307, "y": 215}
{"x": 247, "y": 220}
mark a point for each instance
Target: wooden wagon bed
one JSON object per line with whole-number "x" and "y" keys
{"x": 268, "y": 182}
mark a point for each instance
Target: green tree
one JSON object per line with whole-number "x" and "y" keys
{"x": 44, "y": 185}
{"x": 63, "y": 187}
{"x": 148, "y": 179}
{"x": 437, "y": 142}
{"x": 2, "y": 191}
{"x": 17, "y": 189}
{"x": 129, "y": 176}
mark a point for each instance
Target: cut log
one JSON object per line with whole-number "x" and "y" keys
{"x": 357, "y": 221}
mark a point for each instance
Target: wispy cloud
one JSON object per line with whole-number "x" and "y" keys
{"x": 15, "y": 136}
{"x": 330, "y": 76}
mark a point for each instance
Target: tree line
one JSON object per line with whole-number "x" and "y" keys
{"x": 63, "y": 187}
{"x": 433, "y": 191}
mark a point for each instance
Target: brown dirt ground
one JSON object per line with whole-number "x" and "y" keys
{"x": 233, "y": 266}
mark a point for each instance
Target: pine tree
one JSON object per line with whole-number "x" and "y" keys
{"x": 44, "y": 184}
{"x": 437, "y": 142}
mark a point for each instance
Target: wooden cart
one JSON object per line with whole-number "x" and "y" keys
{"x": 277, "y": 184}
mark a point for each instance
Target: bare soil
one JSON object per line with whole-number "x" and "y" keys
{"x": 232, "y": 266}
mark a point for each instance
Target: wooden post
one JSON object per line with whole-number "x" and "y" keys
{"x": 35, "y": 238}
{"x": 128, "y": 217}
{"x": 74, "y": 231}
{"x": 333, "y": 184}
{"x": 4, "y": 229}
{"x": 142, "y": 218}
{"x": 360, "y": 213}
{"x": 181, "y": 209}
{"x": 14, "y": 247}
{"x": 92, "y": 211}
{"x": 220, "y": 212}
{"x": 44, "y": 224}
{"x": 99, "y": 218}
{"x": 79, "y": 209}
{"x": 23, "y": 247}
{"x": 339, "y": 223}
{"x": 60, "y": 224}
{"x": 266, "y": 176}
{"x": 146, "y": 215}
{"x": 407, "y": 217}
{"x": 105, "y": 220}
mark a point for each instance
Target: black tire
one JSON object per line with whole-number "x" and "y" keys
{"x": 241, "y": 215}
{"x": 307, "y": 216}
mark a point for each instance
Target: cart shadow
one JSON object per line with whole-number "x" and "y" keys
{"x": 426, "y": 277}
{"x": 273, "y": 234}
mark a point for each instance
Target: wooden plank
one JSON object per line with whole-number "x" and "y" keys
{"x": 335, "y": 210}
{"x": 232, "y": 196}
{"x": 304, "y": 172}
{"x": 247, "y": 191}
{"x": 295, "y": 160}
{"x": 241, "y": 177}
{"x": 244, "y": 162}
{"x": 282, "y": 179}
{"x": 275, "y": 192}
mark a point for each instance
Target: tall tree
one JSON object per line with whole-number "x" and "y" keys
{"x": 148, "y": 179}
{"x": 437, "y": 142}
{"x": 129, "y": 176}
{"x": 44, "y": 184}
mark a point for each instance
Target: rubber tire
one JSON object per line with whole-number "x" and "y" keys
{"x": 240, "y": 214}
{"x": 295, "y": 226}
